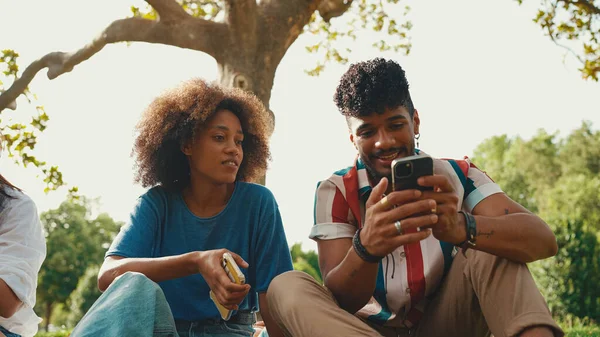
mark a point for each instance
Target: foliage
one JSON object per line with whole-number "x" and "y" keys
{"x": 569, "y": 280}
{"x": 74, "y": 242}
{"x": 569, "y": 22}
{"x": 384, "y": 17}
{"x": 559, "y": 179}
{"x": 206, "y": 9}
{"x": 381, "y": 16}
{"x": 20, "y": 136}
{"x": 579, "y": 327}
{"x": 307, "y": 262}
{"x": 566, "y": 22}
{"x": 586, "y": 331}
{"x": 60, "y": 314}
{"x": 61, "y": 333}
{"x": 86, "y": 293}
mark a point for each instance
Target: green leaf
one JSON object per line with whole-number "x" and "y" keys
{"x": 394, "y": 31}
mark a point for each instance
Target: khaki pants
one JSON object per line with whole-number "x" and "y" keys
{"x": 481, "y": 294}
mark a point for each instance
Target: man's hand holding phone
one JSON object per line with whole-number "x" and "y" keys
{"x": 380, "y": 234}
{"x": 417, "y": 172}
{"x": 450, "y": 226}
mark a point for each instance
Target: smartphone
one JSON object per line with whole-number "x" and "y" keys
{"x": 235, "y": 275}
{"x": 406, "y": 171}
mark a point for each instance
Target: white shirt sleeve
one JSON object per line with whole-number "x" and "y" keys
{"x": 332, "y": 215}
{"x": 479, "y": 187}
{"x": 22, "y": 246}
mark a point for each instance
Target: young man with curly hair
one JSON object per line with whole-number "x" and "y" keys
{"x": 397, "y": 263}
{"x": 198, "y": 147}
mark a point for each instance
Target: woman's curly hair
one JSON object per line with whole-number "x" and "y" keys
{"x": 173, "y": 119}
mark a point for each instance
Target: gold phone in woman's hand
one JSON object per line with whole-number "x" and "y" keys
{"x": 235, "y": 275}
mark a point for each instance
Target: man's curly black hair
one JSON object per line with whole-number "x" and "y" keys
{"x": 372, "y": 86}
{"x": 175, "y": 117}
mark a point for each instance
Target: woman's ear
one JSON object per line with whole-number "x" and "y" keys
{"x": 186, "y": 148}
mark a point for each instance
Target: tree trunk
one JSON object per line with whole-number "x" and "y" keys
{"x": 254, "y": 77}
{"x": 248, "y": 70}
{"x": 49, "y": 307}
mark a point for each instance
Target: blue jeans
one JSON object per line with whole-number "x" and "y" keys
{"x": 8, "y": 333}
{"x": 133, "y": 305}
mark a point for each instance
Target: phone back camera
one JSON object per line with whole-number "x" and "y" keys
{"x": 404, "y": 170}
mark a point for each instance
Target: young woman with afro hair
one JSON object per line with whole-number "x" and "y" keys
{"x": 198, "y": 149}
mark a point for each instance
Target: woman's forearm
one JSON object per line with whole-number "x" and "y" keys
{"x": 156, "y": 269}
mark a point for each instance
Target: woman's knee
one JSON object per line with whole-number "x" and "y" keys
{"x": 135, "y": 280}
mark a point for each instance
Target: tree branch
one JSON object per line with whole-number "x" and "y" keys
{"x": 240, "y": 15}
{"x": 285, "y": 21}
{"x": 192, "y": 33}
{"x": 564, "y": 46}
{"x": 329, "y": 9}
{"x": 168, "y": 10}
{"x": 587, "y": 5}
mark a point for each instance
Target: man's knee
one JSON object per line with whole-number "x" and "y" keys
{"x": 486, "y": 265}
{"x": 289, "y": 286}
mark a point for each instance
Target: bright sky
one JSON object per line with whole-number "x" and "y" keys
{"x": 477, "y": 69}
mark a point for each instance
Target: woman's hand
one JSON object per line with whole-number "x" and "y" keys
{"x": 229, "y": 294}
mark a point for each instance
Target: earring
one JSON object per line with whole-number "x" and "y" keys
{"x": 417, "y": 136}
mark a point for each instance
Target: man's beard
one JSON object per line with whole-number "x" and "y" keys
{"x": 375, "y": 175}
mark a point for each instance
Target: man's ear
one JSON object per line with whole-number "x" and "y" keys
{"x": 416, "y": 122}
{"x": 352, "y": 140}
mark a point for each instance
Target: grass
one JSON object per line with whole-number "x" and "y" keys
{"x": 573, "y": 328}
{"x": 582, "y": 331}
{"x": 577, "y": 327}
{"x": 63, "y": 333}
{"x": 591, "y": 331}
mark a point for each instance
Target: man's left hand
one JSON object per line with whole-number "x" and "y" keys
{"x": 450, "y": 226}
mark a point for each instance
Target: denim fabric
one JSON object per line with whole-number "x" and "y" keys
{"x": 8, "y": 333}
{"x": 133, "y": 305}
{"x": 214, "y": 329}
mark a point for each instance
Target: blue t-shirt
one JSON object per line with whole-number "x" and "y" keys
{"x": 250, "y": 225}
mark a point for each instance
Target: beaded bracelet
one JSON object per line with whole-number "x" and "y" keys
{"x": 471, "y": 229}
{"x": 361, "y": 251}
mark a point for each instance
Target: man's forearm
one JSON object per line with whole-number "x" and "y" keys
{"x": 9, "y": 302}
{"x": 352, "y": 282}
{"x": 521, "y": 237}
{"x": 156, "y": 269}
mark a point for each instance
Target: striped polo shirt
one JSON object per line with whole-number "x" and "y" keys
{"x": 412, "y": 272}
